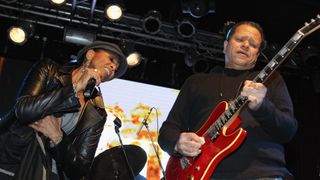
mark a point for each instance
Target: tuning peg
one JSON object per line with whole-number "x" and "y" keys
{"x": 306, "y": 23}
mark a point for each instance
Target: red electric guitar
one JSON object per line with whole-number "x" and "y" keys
{"x": 221, "y": 133}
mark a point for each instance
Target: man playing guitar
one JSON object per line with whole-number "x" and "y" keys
{"x": 253, "y": 151}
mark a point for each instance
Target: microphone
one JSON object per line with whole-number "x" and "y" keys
{"x": 144, "y": 122}
{"x": 117, "y": 124}
{"x": 89, "y": 88}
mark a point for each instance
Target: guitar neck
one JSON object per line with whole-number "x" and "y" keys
{"x": 275, "y": 62}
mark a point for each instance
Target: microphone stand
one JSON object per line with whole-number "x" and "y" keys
{"x": 117, "y": 123}
{"x": 145, "y": 123}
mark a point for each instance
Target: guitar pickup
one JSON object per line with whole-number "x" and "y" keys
{"x": 215, "y": 136}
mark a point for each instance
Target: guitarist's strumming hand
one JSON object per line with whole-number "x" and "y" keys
{"x": 255, "y": 92}
{"x": 189, "y": 144}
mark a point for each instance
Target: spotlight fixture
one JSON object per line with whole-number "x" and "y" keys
{"x": 186, "y": 28}
{"x": 198, "y": 8}
{"x": 194, "y": 60}
{"x": 114, "y": 10}
{"x": 201, "y": 66}
{"x": 152, "y": 22}
{"x": 20, "y": 33}
{"x": 133, "y": 57}
{"x": 77, "y": 36}
{"x": 58, "y": 2}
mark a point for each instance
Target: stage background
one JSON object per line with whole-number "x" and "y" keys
{"x": 131, "y": 102}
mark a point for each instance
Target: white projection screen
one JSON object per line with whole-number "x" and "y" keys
{"x": 131, "y": 102}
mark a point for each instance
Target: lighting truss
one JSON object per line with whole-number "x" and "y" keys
{"x": 128, "y": 29}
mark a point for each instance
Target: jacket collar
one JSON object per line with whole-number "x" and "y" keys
{"x": 67, "y": 69}
{"x": 65, "y": 74}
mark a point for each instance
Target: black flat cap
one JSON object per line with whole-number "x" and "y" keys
{"x": 123, "y": 65}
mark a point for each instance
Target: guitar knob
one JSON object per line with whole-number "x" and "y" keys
{"x": 191, "y": 177}
{"x": 197, "y": 168}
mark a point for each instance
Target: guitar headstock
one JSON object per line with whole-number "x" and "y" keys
{"x": 310, "y": 27}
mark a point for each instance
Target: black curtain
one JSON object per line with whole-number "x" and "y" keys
{"x": 303, "y": 153}
{"x": 12, "y": 72}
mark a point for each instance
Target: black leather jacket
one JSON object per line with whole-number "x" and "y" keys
{"x": 47, "y": 90}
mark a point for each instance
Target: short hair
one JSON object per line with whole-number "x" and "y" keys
{"x": 231, "y": 31}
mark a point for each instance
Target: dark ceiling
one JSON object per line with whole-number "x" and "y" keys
{"x": 280, "y": 18}
{"x": 164, "y": 51}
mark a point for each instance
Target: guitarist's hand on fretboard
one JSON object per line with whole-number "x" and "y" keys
{"x": 189, "y": 144}
{"x": 255, "y": 92}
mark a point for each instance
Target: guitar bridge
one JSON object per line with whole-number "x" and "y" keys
{"x": 184, "y": 162}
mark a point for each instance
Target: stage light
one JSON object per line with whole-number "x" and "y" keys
{"x": 186, "y": 28}
{"x": 133, "y": 56}
{"x": 134, "y": 59}
{"x": 201, "y": 66}
{"x": 194, "y": 60}
{"x": 20, "y": 33}
{"x": 78, "y": 36}
{"x": 198, "y": 8}
{"x": 114, "y": 10}
{"x": 58, "y": 2}
{"x": 152, "y": 22}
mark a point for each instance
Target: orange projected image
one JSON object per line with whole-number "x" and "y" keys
{"x": 128, "y": 131}
{"x": 144, "y": 102}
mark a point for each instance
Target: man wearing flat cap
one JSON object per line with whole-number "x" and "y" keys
{"x": 53, "y": 130}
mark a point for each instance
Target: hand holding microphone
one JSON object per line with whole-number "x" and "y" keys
{"x": 88, "y": 91}
{"x": 91, "y": 84}
{"x": 87, "y": 79}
